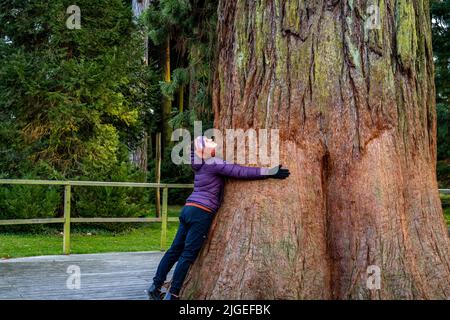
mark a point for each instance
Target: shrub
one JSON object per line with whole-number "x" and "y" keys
{"x": 443, "y": 173}
{"x": 25, "y": 201}
{"x": 31, "y": 201}
{"x": 171, "y": 173}
{"x": 112, "y": 201}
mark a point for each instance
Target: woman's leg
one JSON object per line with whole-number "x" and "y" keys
{"x": 199, "y": 222}
{"x": 171, "y": 256}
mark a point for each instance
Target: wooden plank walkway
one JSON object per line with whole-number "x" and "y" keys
{"x": 104, "y": 276}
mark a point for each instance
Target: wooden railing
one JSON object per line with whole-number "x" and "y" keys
{"x": 67, "y": 219}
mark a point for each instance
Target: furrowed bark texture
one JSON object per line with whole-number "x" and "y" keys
{"x": 356, "y": 112}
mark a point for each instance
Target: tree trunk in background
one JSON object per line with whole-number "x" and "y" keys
{"x": 138, "y": 7}
{"x": 181, "y": 99}
{"x": 140, "y": 156}
{"x": 167, "y": 103}
{"x": 356, "y": 113}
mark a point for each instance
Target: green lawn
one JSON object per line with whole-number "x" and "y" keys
{"x": 86, "y": 239}
{"x": 145, "y": 238}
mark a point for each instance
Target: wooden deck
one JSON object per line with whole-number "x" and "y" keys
{"x": 122, "y": 276}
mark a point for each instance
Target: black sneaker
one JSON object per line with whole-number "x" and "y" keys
{"x": 154, "y": 293}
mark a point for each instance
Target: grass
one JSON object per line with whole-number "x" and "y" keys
{"x": 87, "y": 238}
{"x": 145, "y": 238}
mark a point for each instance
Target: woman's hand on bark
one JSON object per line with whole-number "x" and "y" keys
{"x": 278, "y": 172}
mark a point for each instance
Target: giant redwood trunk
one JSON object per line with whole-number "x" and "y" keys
{"x": 356, "y": 112}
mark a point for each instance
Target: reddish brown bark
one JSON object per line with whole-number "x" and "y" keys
{"x": 356, "y": 113}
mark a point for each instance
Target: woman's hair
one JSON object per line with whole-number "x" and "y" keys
{"x": 199, "y": 142}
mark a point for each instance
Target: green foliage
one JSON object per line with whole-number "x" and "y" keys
{"x": 441, "y": 47}
{"x": 445, "y": 200}
{"x": 171, "y": 173}
{"x": 183, "y": 119}
{"x": 191, "y": 27}
{"x": 69, "y": 95}
{"x": 167, "y": 17}
{"x": 440, "y": 11}
{"x": 443, "y": 173}
{"x": 23, "y": 202}
{"x": 31, "y": 201}
{"x": 73, "y": 104}
{"x": 179, "y": 78}
{"x": 201, "y": 57}
{"x": 112, "y": 201}
{"x": 443, "y": 130}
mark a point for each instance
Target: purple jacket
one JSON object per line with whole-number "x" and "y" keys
{"x": 209, "y": 179}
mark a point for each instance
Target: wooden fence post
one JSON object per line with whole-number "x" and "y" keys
{"x": 158, "y": 173}
{"x": 66, "y": 236}
{"x": 164, "y": 219}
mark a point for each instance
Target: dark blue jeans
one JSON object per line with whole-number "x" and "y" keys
{"x": 191, "y": 234}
